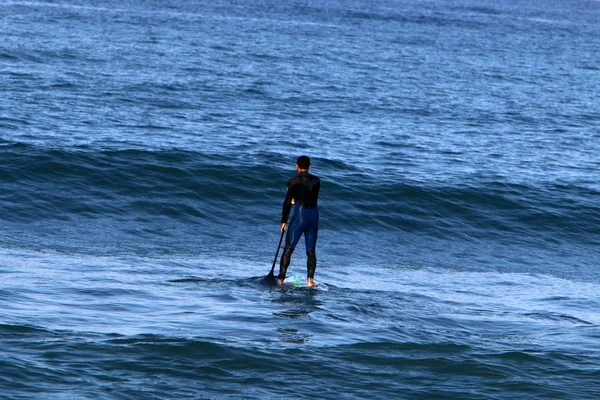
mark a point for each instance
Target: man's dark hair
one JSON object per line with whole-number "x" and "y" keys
{"x": 303, "y": 162}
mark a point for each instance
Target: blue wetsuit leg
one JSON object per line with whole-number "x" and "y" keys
{"x": 311, "y": 228}
{"x": 303, "y": 221}
{"x": 295, "y": 228}
{"x": 311, "y": 232}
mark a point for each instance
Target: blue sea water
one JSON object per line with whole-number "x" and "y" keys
{"x": 144, "y": 150}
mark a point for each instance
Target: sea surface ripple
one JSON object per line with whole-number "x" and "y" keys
{"x": 145, "y": 147}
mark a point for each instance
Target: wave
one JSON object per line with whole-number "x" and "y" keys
{"x": 189, "y": 187}
{"x": 156, "y": 366}
{"x": 42, "y": 183}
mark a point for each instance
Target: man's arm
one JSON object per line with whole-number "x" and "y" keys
{"x": 287, "y": 207}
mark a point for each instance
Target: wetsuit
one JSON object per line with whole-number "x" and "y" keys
{"x": 301, "y": 199}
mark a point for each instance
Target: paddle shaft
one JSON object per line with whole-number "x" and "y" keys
{"x": 277, "y": 252}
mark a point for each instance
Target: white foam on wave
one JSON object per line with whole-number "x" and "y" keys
{"x": 490, "y": 295}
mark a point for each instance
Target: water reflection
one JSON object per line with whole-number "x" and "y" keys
{"x": 297, "y": 303}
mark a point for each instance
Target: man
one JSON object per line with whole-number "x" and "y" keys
{"x": 301, "y": 198}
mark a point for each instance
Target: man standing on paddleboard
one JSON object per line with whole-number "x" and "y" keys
{"x": 301, "y": 199}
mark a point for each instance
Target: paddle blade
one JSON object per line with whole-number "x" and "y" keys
{"x": 269, "y": 279}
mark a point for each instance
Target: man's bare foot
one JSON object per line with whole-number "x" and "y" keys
{"x": 311, "y": 282}
{"x": 280, "y": 281}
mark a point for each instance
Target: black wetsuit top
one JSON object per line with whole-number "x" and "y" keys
{"x": 304, "y": 190}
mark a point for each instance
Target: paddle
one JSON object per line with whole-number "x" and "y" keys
{"x": 270, "y": 278}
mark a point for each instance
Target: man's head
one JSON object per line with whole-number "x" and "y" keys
{"x": 303, "y": 163}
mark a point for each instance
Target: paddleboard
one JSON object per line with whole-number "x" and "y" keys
{"x": 299, "y": 281}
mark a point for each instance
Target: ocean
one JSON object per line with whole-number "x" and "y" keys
{"x": 145, "y": 147}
